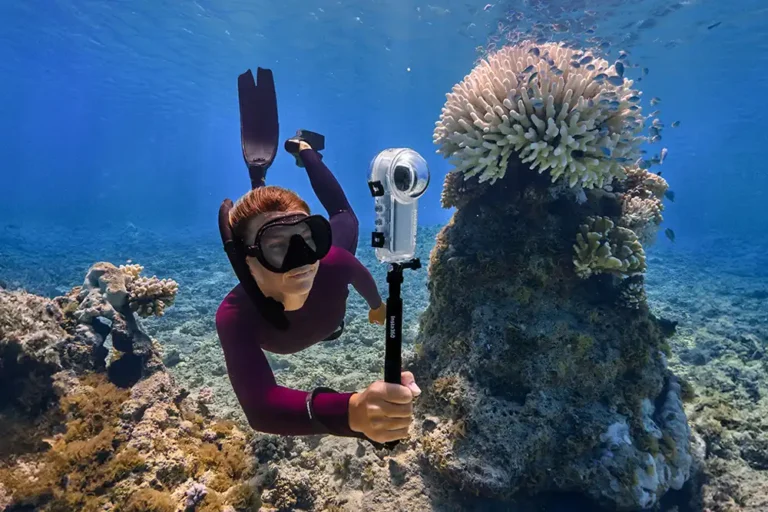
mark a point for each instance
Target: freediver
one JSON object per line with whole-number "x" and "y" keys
{"x": 294, "y": 270}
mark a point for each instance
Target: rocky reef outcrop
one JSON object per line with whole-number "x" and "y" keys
{"x": 544, "y": 369}
{"x": 78, "y": 431}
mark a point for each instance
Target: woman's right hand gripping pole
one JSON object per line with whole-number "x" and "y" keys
{"x": 384, "y": 411}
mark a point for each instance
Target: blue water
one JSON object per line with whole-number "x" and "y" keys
{"x": 116, "y": 112}
{"x": 120, "y": 136}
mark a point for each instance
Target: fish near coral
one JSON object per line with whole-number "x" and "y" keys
{"x": 670, "y": 234}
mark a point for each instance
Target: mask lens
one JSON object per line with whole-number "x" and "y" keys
{"x": 276, "y": 240}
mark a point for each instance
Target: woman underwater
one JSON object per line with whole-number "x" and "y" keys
{"x": 294, "y": 270}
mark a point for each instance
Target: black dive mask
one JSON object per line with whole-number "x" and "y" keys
{"x": 290, "y": 242}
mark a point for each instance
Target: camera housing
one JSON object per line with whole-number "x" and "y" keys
{"x": 398, "y": 178}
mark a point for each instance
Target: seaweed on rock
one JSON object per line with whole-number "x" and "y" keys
{"x": 73, "y": 440}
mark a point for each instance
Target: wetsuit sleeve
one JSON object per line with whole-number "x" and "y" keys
{"x": 271, "y": 408}
{"x": 361, "y": 279}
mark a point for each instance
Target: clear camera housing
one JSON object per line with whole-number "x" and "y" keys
{"x": 398, "y": 177}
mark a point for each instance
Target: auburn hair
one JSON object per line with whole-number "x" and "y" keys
{"x": 266, "y": 199}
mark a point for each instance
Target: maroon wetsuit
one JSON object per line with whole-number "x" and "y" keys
{"x": 243, "y": 332}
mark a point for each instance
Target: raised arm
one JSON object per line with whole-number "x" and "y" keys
{"x": 271, "y": 408}
{"x": 361, "y": 279}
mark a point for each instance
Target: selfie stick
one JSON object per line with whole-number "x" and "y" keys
{"x": 398, "y": 177}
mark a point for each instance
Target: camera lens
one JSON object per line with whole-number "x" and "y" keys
{"x": 402, "y": 178}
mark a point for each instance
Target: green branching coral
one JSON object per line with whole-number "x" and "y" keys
{"x": 602, "y": 247}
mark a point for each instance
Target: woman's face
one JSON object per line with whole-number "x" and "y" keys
{"x": 297, "y": 281}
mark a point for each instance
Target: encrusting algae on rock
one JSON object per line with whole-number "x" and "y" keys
{"x": 546, "y": 370}
{"x": 73, "y": 440}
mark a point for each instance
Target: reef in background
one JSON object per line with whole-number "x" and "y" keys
{"x": 70, "y": 439}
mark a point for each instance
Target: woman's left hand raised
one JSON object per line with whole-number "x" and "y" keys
{"x": 378, "y": 315}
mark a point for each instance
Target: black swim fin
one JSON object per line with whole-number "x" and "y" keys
{"x": 259, "y": 126}
{"x": 315, "y": 140}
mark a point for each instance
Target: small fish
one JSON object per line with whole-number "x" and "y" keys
{"x": 623, "y": 54}
{"x": 615, "y": 80}
{"x": 655, "y": 100}
{"x": 487, "y": 6}
{"x": 670, "y": 234}
{"x": 529, "y": 69}
{"x": 664, "y": 153}
{"x": 591, "y": 67}
{"x": 605, "y": 44}
{"x": 655, "y": 139}
{"x": 606, "y": 151}
{"x": 670, "y": 194}
{"x": 534, "y": 51}
{"x": 710, "y": 27}
{"x": 675, "y": 124}
{"x": 623, "y": 160}
{"x": 657, "y": 123}
{"x": 586, "y": 60}
{"x": 619, "y": 68}
{"x": 604, "y": 101}
{"x": 538, "y": 103}
{"x": 600, "y": 77}
{"x": 656, "y": 160}
{"x": 575, "y": 64}
{"x": 642, "y": 163}
{"x": 645, "y": 71}
{"x": 615, "y": 104}
{"x": 634, "y": 98}
{"x": 634, "y": 108}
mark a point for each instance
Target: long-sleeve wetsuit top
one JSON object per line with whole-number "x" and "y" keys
{"x": 244, "y": 332}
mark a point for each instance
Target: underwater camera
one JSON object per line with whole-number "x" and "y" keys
{"x": 398, "y": 178}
